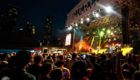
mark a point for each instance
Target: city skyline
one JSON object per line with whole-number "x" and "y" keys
{"x": 36, "y": 12}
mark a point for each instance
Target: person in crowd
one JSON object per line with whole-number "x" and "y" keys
{"x": 136, "y": 75}
{"x": 57, "y": 74}
{"x": 125, "y": 72}
{"x": 35, "y": 68}
{"x": 4, "y": 60}
{"x": 97, "y": 68}
{"x": 79, "y": 70}
{"x": 11, "y": 65}
{"x": 45, "y": 71}
{"x": 103, "y": 57}
{"x": 61, "y": 57}
{"x": 71, "y": 62}
{"x": 50, "y": 61}
{"x": 132, "y": 67}
{"x": 108, "y": 74}
{"x": 60, "y": 64}
{"x": 19, "y": 73}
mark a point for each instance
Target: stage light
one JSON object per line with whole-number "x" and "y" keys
{"x": 70, "y": 28}
{"x": 108, "y": 31}
{"x": 97, "y": 15}
{"x": 102, "y": 34}
{"x": 76, "y": 24}
{"x": 108, "y": 9}
{"x": 88, "y": 19}
{"x": 81, "y": 22}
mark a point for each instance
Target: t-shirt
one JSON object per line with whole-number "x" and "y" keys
{"x": 107, "y": 76}
{"x": 17, "y": 74}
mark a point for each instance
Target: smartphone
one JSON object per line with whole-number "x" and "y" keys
{"x": 65, "y": 74}
{"x": 84, "y": 56}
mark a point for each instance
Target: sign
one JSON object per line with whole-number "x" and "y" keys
{"x": 68, "y": 40}
{"x": 85, "y": 7}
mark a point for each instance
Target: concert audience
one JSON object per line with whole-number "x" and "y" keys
{"x": 112, "y": 66}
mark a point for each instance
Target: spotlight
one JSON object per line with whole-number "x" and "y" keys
{"x": 88, "y": 19}
{"x": 81, "y": 22}
{"x": 108, "y": 31}
{"x": 102, "y": 33}
{"x": 97, "y": 15}
{"x": 69, "y": 28}
{"x": 108, "y": 9}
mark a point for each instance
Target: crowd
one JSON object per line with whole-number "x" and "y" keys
{"x": 27, "y": 66}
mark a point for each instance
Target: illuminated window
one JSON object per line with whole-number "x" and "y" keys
{"x": 47, "y": 19}
{"x": 11, "y": 11}
{"x": 16, "y": 12}
{"x": 10, "y": 14}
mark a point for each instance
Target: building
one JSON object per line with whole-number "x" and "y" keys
{"x": 20, "y": 31}
{"x": 12, "y": 16}
{"x": 33, "y": 30}
{"x": 8, "y": 21}
{"x": 3, "y": 18}
{"x": 47, "y": 31}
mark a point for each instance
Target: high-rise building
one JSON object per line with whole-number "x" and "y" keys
{"x": 47, "y": 31}
{"x": 3, "y": 19}
{"x": 12, "y": 16}
{"x": 33, "y": 30}
{"x": 20, "y": 31}
{"x": 28, "y": 29}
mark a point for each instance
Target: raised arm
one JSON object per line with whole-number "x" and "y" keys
{"x": 119, "y": 73}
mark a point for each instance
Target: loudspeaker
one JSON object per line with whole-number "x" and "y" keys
{"x": 125, "y": 25}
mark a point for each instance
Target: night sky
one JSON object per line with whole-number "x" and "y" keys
{"x": 35, "y": 11}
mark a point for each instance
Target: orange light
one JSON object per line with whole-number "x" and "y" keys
{"x": 120, "y": 22}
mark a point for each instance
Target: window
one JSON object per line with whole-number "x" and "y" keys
{"x": 16, "y": 13}
{"x": 10, "y": 14}
{"x": 47, "y": 19}
{"x": 11, "y": 11}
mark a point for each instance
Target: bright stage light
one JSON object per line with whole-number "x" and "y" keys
{"x": 108, "y": 31}
{"x": 102, "y": 33}
{"x": 88, "y": 19}
{"x": 70, "y": 28}
{"x": 81, "y": 22}
{"x": 108, "y": 9}
{"x": 76, "y": 24}
{"x": 97, "y": 15}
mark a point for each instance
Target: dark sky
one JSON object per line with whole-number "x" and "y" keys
{"x": 35, "y": 11}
